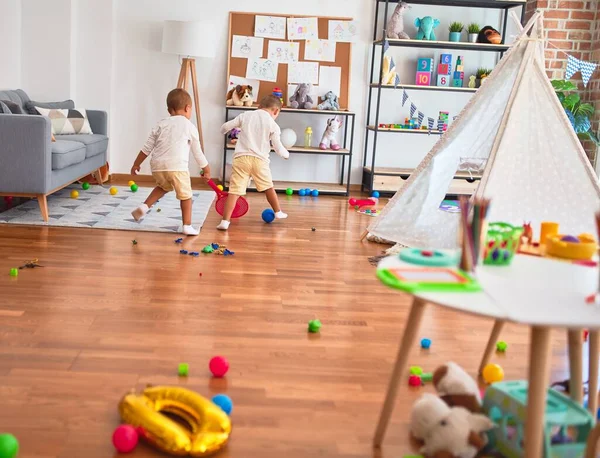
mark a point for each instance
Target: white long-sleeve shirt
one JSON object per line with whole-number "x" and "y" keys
{"x": 259, "y": 131}
{"x": 169, "y": 145}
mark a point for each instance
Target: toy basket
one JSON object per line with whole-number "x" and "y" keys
{"x": 501, "y": 243}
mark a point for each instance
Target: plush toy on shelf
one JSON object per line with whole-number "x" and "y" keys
{"x": 329, "y": 102}
{"x": 426, "y": 26}
{"x": 395, "y": 26}
{"x": 489, "y": 35}
{"x": 328, "y": 140}
{"x": 240, "y": 96}
{"x": 388, "y": 71}
{"x": 301, "y": 99}
{"x": 233, "y": 135}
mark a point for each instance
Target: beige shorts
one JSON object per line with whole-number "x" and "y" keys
{"x": 246, "y": 167}
{"x": 178, "y": 181}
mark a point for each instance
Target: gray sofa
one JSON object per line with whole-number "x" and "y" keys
{"x": 31, "y": 164}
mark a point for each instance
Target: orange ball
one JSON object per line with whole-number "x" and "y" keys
{"x": 113, "y": 191}
{"x": 492, "y": 373}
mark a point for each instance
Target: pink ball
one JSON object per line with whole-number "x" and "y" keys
{"x": 218, "y": 366}
{"x": 352, "y": 201}
{"x": 125, "y": 438}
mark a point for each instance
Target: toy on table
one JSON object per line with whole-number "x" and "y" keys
{"x": 489, "y": 35}
{"x": 426, "y": 26}
{"x": 224, "y": 402}
{"x": 492, "y": 373}
{"x": 241, "y": 206}
{"x": 240, "y": 96}
{"x": 233, "y": 135}
{"x": 85, "y": 186}
{"x": 501, "y": 243}
{"x": 288, "y": 138}
{"x": 547, "y": 228}
{"x": 328, "y": 140}
{"x": 361, "y": 202}
{"x": 268, "y": 215}
{"x": 432, "y": 258}
{"x": 113, "y": 191}
{"x": 218, "y": 366}
{"x": 424, "y": 72}
{"x": 505, "y": 400}
{"x": 134, "y": 187}
{"x": 301, "y": 99}
{"x": 329, "y": 101}
{"x": 125, "y": 438}
{"x": 582, "y": 247}
{"x": 277, "y": 92}
{"x": 201, "y": 428}
{"x": 428, "y": 279}
{"x": 74, "y": 194}
{"x": 472, "y": 230}
{"x": 501, "y": 346}
{"x": 9, "y": 446}
{"x": 314, "y": 326}
{"x": 395, "y": 26}
{"x": 425, "y": 343}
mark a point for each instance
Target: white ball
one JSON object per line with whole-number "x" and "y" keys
{"x": 288, "y": 138}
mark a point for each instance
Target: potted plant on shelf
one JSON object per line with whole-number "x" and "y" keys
{"x": 473, "y": 30}
{"x": 577, "y": 112}
{"x": 456, "y": 29}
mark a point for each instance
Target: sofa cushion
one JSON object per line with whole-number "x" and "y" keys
{"x": 67, "y": 153}
{"x": 67, "y": 122}
{"x": 18, "y": 96}
{"x": 14, "y": 107}
{"x": 94, "y": 143}
{"x": 4, "y": 108}
{"x": 64, "y": 105}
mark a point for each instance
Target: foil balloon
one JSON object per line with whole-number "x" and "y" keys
{"x": 203, "y": 428}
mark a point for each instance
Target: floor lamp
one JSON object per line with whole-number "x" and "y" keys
{"x": 189, "y": 39}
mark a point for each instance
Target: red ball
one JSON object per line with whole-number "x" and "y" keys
{"x": 414, "y": 380}
{"x": 352, "y": 201}
{"x": 8, "y": 199}
{"x": 125, "y": 438}
{"x": 218, "y": 366}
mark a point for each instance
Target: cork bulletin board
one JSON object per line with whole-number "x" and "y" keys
{"x": 243, "y": 23}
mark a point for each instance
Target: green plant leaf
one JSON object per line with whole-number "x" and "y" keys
{"x": 586, "y": 109}
{"x": 582, "y": 124}
{"x": 557, "y": 84}
{"x": 561, "y": 96}
{"x": 572, "y": 100}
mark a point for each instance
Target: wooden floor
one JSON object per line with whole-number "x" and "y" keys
{"x": 104, "y": 316}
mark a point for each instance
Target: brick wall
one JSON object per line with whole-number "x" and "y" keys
{"x": 573, "y": 26}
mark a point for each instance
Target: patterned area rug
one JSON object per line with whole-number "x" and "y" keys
{"x": 97, "y": 208}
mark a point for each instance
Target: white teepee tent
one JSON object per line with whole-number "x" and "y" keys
{"x": 536, "y": 167}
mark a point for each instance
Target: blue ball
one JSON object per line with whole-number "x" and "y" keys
{"x": 268, "y": 215}
{"x": 224, "y": 402}
{"x": 307, "y": 191}
{"x": 375, "y": 194}
{"x": 425, "y": 343}
{"x": 315, "y": 192}
{"x": 302, "y": 192}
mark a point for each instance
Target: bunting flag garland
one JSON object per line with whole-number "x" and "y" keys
{"x": 413, "y": 108}
{"x": 575, "y": 65}
{"x": 440, "y": 125}
{"x": 420, "y": 117}
{"x": 396, "y": 81}
{"x": 404, "y": 97}
{"x": 429, "y": 125}
{"x": 386, "y": 44}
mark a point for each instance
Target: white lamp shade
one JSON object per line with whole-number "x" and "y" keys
{"x": 196, "y": 39}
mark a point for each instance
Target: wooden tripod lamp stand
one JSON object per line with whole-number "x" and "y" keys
{"x": 189, "y": 39}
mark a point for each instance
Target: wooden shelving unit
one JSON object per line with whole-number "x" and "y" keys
{"x": 389, "y": 179}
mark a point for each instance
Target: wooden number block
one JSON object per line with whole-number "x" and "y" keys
{"x": 459, "y": 75}
{"x": 446, "y": 59}
{"x": 443, "y": 80}
{"x": 457, "y": 83}
{"x": 460, "y": 68}
{"x": 425, "y": 65}
{"x": 443, "y": 69}
{"x": 423, "y": 79}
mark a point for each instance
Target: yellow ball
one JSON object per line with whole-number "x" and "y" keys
{"x": 492, "y": 373}
{"x": 113, "y": 191}
{"x": 220, "y": 187}
{"x": 130, "y": 183}
{"x": 74, "y": 194}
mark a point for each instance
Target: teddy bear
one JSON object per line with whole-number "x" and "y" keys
{"x": 395, "y": 26}
{"x": 301, "y": 98}
{"x": 329, "y": 102}
{"x": 240, "y": 96}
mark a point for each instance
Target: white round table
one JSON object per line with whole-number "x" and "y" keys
{"x": 538, "y": 292}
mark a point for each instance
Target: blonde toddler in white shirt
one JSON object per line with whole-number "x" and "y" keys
{"x": 169, "y": 146}
{"x": 251, "y": 157}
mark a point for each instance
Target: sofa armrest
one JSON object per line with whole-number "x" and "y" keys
{"x": 25, "y": 154}
{"x": 98, "y": 121}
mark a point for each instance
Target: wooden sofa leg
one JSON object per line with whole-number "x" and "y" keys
{"x": 43, "y": 206}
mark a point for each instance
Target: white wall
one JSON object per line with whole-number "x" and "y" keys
{"x": 10, "y": 50}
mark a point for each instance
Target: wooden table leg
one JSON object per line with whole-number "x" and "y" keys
{"x": 539, "y": 377}
{"x": 491, "y": 345}
{"x": 594, "y": 354}
{"x": 576, "y": 365}
{"x": 592, "y": 442}
{"x": 411, "y": 331}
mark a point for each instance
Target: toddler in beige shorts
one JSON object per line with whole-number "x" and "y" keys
{"x": 169, "y": 146}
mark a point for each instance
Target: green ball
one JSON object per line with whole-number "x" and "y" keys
{"x": 501, "y": 346}
{"x": 314, "y": 326}
{"x": 85, "y": 186}
{"x": 427, "y": 376}
{"x": 289, "y": 191}
{"x": 13, "y": 273}
{"x": 134, "y": 187}
{"x": 183, "y": 370}
{"x": 416, "y": 370}
{"x": 9, "y": 446}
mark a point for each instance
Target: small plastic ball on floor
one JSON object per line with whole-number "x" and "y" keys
{"x": 218, "y": 366}
{"x": 125, "y": 438}
{"x": 131, "y": 183}
{"x": 501, "y": 346}
{"x": 375, "y": 194}
{"x": 268, "y": 215}
{"x": 415, "y": 370}
{"x": 9, "y": 446}
{"x": 492, "y": 373}
{"x": 315, "y": 192}
{"x": 427, "y": 377}
{"x": 113, "y": 191}
{"x": 314, "y": 326}
{"x": 134, "y": 187}
{"x": 74, "y": 194}
{"x": 184, "y": 368}
{"x": 425, "y": 343}
{"x": 302, "y": 192}
{"x": 14, "y": 272}
{"x": 85, "y": 186}
{"x": 414, "y": 380}
{"x": 224, "y": 402}
{"x": 289, "y": 191}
